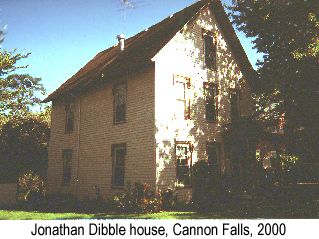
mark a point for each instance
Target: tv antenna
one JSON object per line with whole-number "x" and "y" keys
{"x": 2, "y": 33}
{"x": 127, "y": 5}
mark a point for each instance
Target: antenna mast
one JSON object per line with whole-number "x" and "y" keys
{"x": 126, "y": 5}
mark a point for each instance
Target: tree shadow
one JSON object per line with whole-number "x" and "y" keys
{"x": 189, "y": 61}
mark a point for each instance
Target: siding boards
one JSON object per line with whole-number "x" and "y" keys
{"x": 98, "y": 133}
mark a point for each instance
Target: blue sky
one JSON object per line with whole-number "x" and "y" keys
{"x": 63, "y": 35}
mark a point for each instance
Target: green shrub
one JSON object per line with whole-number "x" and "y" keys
{"x": 140, "y": 199}
{"x": 206, "y": 185}
{"x": 31, "y": 188}
{"x": 169, "y": 200}
{"x": 288, "y": 161}
{"x": 202, "y": 182}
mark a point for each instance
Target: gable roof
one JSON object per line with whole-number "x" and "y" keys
{"x": 141, "y": 48}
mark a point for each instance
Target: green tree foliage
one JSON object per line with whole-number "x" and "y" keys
{"x": 311, "y": 49}
{"x": 23, "y": 146}
{"x": 24, "y": 134}
{"x": 19, "y": 92}
{"x": 286, "y": 32}
{"x": 31, "y": 187}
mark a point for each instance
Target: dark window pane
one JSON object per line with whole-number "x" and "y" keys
{"x": 120, "y": 103}
{"x": 212, "y": 158}
{"x": 120, "y": 112}
{"x": 234, "y": 111}
{"x": 119, "y": 154}
{"x": 183, "y": 157}
{"x": 210, "y": 104}
{"x": 69, "y": 111}
{"x": 67, "y": 166}
{"x": 212, "y": 155}
{"x": 69, "y": 127}
{"x": 210, "y": 51}
{"x": 210, "y": 110}
{"x": 119, "y": 176}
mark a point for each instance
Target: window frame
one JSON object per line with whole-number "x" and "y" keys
{"x": 69, "y": 108}
{"x": 214, "y": 86}
{"x": 214, "y": 47}
{"x": 189, "y": 163}
{"x": 233, "y": 91}
{"x": 186, "y": 81}
{"x": 217, "y": 147}
{"x": 115, "y": 147}
{"x": 67, "y": 155}
{"x": 115, "y": 121}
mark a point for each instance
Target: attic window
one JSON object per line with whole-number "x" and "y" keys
{"x": 210, "y": 49}
{"x": 119, "y": 92}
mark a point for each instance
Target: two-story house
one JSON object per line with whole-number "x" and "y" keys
{"x": 147, "y": 109}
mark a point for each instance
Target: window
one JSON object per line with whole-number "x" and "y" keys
{"x": 69, "y": 122}
{"x": 182, "y": 85}
{"x": 212, "y": 150}
{"x": 67, "y": 166}
{"x": 210, "y": 50}
{"x": 234, "y": 105}
{"x": 118, "y": 155}
{"x": 119, "y": 92}
{"x": 183, "y": 152}
{"x": 211, "y": 101}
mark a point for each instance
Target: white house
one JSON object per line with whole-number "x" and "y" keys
{"x": 148, "y": 109}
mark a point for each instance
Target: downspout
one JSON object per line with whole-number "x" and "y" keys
{"x": 78, "y": 151}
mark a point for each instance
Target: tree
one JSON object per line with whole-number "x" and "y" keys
{"x": 24, "y": 134}
{"x": 24, "y": 146}
{"x": 286, "y": 32}
{"x": 19, "y": 92}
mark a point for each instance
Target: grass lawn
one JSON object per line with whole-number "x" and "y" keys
{"x": 25, "y": 215}
{"x": 244, "y": 209}
{"x": 234, "y": 213}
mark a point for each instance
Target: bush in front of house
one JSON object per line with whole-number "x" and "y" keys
{"x": 31, "y": 189}
{"x": 204, "y": 185}
{"x": 139, "y": 199}
{"x": 169, "y": 200}
{"x": 209, "y": 188}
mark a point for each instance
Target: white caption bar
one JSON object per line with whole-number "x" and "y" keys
{"x": 92, "y": 229}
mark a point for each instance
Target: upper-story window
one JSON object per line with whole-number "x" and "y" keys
{"x": 69, "y": 119}
{"x": 119, "y": 92}
{"x": 211, "y": 101}
{"x": 234, "y": 104}
{"x": 210, "y": 49}
{"x": 182, "y": 85}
